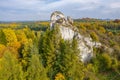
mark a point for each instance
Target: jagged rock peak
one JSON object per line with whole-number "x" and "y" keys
{"x": 68, "y": 32}
{"x": 58, "y": 17}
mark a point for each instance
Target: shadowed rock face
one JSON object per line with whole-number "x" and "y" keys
{"x": 68, "y": 32}
{"x": 58, "y": 18}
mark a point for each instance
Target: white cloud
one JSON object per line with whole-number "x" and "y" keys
{"x": 115, "y": 5}
{"x": 41, "y": 9}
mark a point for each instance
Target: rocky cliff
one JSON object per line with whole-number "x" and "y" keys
{"x": 68, "y": 32}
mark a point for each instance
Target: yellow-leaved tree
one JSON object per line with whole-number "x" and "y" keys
{"x": 10, "y": 36}
{"x": 2, "y": 49}
{"x": 59, "y": 76}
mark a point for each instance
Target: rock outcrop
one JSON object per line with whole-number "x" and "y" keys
{"x": 68, "y": 32}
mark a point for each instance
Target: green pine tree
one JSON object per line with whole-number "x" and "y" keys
{"x": 36, "y": 71}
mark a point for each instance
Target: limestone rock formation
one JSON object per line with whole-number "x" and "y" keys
{"x": 68, "y": 32}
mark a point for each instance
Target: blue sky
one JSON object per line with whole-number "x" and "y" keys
{"x": 20, "y": 10}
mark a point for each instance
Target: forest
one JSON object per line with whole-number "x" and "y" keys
{"x": 31, "y": 51}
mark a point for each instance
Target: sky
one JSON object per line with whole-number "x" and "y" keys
{"x": 34, "y": 10}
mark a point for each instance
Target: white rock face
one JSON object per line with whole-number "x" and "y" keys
{"x": 85, "y": 44}
{"x": 66, "y": 33}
